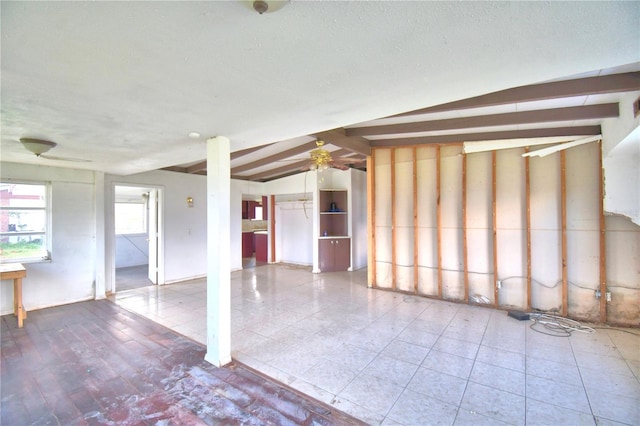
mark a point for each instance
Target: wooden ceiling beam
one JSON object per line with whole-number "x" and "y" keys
{"x": 586, "y": 112}
{"x": 614, "y": 83}
{"x": 487, "y": 136}
{"x": 339, "y": 138}
{"x": 276, "y": 157}
{"x": 298, "y": 166}
{"x": 243, "y": 152}
{"x": 197, "y": 167}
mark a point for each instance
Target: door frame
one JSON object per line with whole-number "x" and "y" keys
{"x": 110, "y": 285}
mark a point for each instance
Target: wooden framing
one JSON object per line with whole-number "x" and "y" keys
{"x": 527, "y": 183}
{"x": 416, "y": 234}
{"x": 393, "y": 220}
{"x": 603, "y": 242}
{"x": 371, "y": 219}
{"x": 494, "y": 192}
{"x": 465, "y": 249}
{"x": 439, "y": 221}
{"x": 563, "y": 197}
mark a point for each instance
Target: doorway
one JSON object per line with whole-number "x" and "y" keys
{"x": 138, "y": 231}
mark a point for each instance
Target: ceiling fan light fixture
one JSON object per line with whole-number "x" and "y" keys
{"x": 37, "y": 146}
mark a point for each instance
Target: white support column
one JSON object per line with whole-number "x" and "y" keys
{"x": 100, "y": 236}
{"x": 218, "y": 248}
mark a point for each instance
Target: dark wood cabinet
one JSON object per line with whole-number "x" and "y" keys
{"x": 247, "y": 244}
{"x": 334, "y": 254}
{"x": 249, "y": 209}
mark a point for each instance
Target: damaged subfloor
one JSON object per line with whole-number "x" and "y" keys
{"x": 95, "y": 363}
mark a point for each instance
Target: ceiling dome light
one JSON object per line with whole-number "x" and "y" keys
{"x": 267, "y": 6}
{"x": 37, "y": 146}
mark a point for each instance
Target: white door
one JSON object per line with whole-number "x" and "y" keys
{"x": 152, "y": 208}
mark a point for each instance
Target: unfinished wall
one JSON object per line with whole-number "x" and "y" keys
{"x": 500, "y": 229}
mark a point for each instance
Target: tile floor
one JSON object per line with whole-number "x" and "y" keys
{"x": 394, "y": 359}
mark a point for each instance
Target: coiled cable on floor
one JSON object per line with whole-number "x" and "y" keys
{"x": 553, "y": 325}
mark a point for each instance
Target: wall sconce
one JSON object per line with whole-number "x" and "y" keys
{"x": 189, "y": 201}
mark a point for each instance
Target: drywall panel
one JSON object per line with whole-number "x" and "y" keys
{"x": 622, "y": 178}
{"x": 427, "y": 221}
{"x": 480, "y": 227}
{"x": 511, "y": 226}
{"x": 294, "y": 242}
{"x": 583, "y": 230}
{"x": 70, "y": 275}
{"x": 546, "y": 223}
{"x": 383, "y": 198}
{"x": 451, "y": 221}
{"x": 403, "y": 211}
{"x": 623, "y": 271}
{"x": 132, "y": 250}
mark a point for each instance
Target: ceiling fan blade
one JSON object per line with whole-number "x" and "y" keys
{"x": 76, "y": 160}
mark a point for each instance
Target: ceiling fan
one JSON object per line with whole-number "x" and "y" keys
{"x": 40, "y": 146}
{"x": 321, "y": 159}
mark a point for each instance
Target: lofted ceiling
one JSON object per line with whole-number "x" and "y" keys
{"x": 122, "y": 84}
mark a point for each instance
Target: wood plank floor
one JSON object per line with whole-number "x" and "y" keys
{"x": 95, "y": 363}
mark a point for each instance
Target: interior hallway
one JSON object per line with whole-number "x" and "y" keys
{"x": 395, "y": 359}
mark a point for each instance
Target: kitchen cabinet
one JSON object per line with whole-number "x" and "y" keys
{"x": 334, "y": 254}
{"x": 247, "y": 244}
{"x": 261, "y": 238}
{"x": 249, "y": 209}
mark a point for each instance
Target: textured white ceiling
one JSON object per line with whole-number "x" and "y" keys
{"x": 123, "y": 83}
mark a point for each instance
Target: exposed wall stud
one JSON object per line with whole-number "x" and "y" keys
{"x": 494, "y": 193}
{"x": 465, "y": 250}
{"x": 415, "y": 220}
{"x": 439, "y": 221}
{"x": 563, "y": 197}
{"x": 603, "y": 242}
{"x": 371, "y": 219}
{"x": 527, "y": 183}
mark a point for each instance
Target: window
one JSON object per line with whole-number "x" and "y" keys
{"x": 24, "y": 222}
{"x": 131, "y": 218}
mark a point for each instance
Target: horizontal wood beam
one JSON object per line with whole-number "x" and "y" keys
{"x": 275, "y": 157}
{"x": 625, "y": 82}
{"x": 508, "y": 119}
{"x": 339, "y": 138}
{"x": 243, "y": 152}
{"x": 488, "y": 136}
{"x": 197, "y": 167}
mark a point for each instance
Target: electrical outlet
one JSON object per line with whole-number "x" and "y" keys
{"x": 597, "y": 294}
{"x": 499, "y": 284}
{"x": 608, "y": 294}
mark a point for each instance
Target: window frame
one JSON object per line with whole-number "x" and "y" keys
{"x": 145, "y": 217}
{"x": 48, "y": 222}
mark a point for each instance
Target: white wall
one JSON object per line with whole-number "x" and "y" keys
{"x": 294, "y": 232}
{"x": 621, "y": 156}
{"x": 622, "y": 178}
{"x": 131, "y": 250}
{"x": 70, "y": 275}
{"x": 185, "y": 236}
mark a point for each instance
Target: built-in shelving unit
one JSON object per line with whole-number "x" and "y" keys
{"x": 334, "y": 244}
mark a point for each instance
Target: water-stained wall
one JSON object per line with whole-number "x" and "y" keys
{"x": 500, "y": 229}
